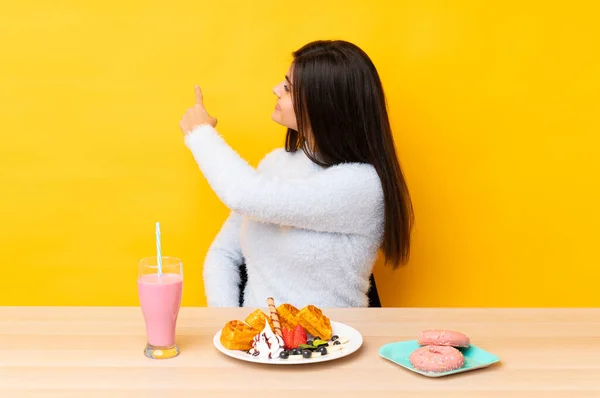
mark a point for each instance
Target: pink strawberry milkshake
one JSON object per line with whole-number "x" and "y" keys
{"x": 160, "y": 299}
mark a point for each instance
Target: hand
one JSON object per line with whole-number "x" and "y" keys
{"x": 196, "y": 115}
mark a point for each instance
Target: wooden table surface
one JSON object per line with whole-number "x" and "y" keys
{"x": 97, "y": 352}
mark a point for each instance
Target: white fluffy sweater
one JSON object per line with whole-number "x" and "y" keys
{"x": 307, "y": 234}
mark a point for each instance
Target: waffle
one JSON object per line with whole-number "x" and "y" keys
{"x": 312, "y": 319}
{"x": 257, "y": 320}
{"x": 288, "y": 316}
{"x": 236, "y": 335}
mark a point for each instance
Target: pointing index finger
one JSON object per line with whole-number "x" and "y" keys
{"x": 198, "y": 95}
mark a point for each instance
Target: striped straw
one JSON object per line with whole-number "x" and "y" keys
{"x": 158, "y": 253}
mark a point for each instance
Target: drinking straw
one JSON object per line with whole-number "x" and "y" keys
{"x": 158, "y": 253}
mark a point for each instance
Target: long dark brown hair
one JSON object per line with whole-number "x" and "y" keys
{"x": 338, "y": 96}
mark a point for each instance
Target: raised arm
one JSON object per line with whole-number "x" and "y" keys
{"x": 345, "y": 198}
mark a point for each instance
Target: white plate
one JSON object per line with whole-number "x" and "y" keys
{"x": 355, "y": 340}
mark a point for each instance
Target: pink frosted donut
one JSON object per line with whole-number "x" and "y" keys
{"x": 443, "y": 337}
{"x": 437, "y": 359}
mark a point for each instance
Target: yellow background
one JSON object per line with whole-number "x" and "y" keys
{"x": 495, "y": 109}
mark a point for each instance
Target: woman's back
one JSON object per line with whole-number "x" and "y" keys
{"x": 303, "y": 266}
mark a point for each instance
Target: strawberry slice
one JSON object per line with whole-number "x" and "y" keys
{"x": 287, "y": 337}
{"x": 298, "y": 336}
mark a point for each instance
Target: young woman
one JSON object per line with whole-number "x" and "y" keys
{"x": 309, "y": 220}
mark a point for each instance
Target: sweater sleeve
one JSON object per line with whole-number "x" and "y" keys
{"x": 221, "y": 265}
{"x": 345, "y": 198}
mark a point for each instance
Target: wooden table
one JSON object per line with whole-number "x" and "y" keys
{"x": 97, "y": 352}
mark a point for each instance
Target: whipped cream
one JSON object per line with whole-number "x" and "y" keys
{"x": 266, "y": 344}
